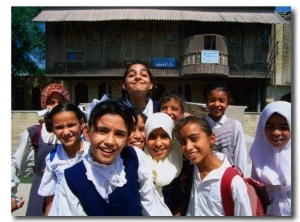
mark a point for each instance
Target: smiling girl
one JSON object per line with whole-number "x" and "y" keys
{"x": 197, "y": 140}
{"x": 229, "y": 132}
{"x": 167, "y": 161}
{"x": 138, "y": 84}
{"x": 66, "y": 121}
{"x": 271, "y": 156}
{"x": 137, "y": 136}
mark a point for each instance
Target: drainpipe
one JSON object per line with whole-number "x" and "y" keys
{"x": 275, "y": 51}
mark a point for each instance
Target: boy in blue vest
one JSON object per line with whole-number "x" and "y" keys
{"x": 112, "y": 179}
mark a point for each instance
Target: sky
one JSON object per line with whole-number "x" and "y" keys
{"x": 283, "y": 8}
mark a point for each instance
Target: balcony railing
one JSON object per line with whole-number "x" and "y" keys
{"x": 195, "y": 58}
{"x": 249, "y": 61}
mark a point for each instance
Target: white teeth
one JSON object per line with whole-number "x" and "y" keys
{"x": 107, "y": 150}
{"x": 193, "y": 154}
{"x": 137, "y": 143}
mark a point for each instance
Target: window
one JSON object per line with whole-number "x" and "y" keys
{"x": 81, "y": 93}
{"x": 210, "y": 42}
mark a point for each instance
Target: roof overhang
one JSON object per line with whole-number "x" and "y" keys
{"x": 265, "y": 15}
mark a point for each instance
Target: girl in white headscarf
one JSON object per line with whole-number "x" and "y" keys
{"x": 165, "y": 156}
{"x": 271, "y": 156}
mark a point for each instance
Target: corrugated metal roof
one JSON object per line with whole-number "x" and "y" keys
{"x": 204, "y": 14}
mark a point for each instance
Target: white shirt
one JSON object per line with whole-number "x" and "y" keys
{"x": 55, "y": 169}
{"x": 148, "y": 109}
{"x": 206, "y": 198}
{"x": 67, "y": 204}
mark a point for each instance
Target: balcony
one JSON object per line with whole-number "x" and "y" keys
{"x": 194, "y": 61}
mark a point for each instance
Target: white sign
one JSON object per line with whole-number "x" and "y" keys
{"x": 209, "y": 56}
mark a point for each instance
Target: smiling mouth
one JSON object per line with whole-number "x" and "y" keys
{"x": 275, "y": 141}
{"x": 106, "y": 150}
{"x": 137, "y": 143}
{"x": 158, "y": 151}
{"x": 192, "y": 154}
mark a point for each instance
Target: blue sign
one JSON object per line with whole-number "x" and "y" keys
{"x": 164, "y": 63}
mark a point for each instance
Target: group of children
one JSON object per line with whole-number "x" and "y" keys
{"x": 138, "y": 158}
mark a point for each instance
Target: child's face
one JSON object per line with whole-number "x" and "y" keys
{"x": 137, "y": 80}
{"x": 277, "y": 131}
{"x": 194, "y": 143}
{"x": 159, "y": 144}
{"x": 173, "y": 109}
{"x": 137, "y": 136}
{"x": 67, "y": 128}
{"x": 108, "y": 139}
{"x": 54, "y": 99}
{"x": 217, "y": 103}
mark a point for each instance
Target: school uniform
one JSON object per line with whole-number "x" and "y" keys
{"x": 272, "y": 166}
{"x": 166, "y": 172}
{"x": 151, "y": 107}
{"x": 56, "y": 162}
{"x": 230, "y": 140}
{"x": 205, "y": 198}
{"x": 122, "y": 188}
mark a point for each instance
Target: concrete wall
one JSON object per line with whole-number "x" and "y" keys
{"x": 20, "y": 120}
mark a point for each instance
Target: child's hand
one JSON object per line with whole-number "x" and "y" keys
{"x": 15, "y": 205}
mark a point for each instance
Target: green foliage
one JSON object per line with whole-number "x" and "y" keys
{"x": 27, "y": 42}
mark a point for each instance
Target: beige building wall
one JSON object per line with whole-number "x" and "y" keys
{"x": 281, "y": 84}
{"x": 20, "y": 120}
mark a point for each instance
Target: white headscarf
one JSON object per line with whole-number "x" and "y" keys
{"x": 164, "y": 171}
{"x": 272, "y": 165}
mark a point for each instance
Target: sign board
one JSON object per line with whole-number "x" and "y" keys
{"x": 209, "y": 56}
{"x": 164, "y": 63}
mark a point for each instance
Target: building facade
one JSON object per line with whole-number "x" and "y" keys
{"x": 187, "y": 48}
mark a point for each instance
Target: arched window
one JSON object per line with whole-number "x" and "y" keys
{"x": 158, "y": 92}
{"x": 104, "y": 88}
{"x": 186, "y": 92}
{"x": 81, "y": 93}
{"x": 36, "y": 98}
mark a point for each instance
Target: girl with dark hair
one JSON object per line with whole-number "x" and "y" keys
{"x": 137, "y": 136}
{"x": 229, "y": 132}
{"x": 197, "y": 140}
{"x": 66, "y": 121}
{"x": 138, "y": 82}
{"x": 35, "y": 144}
{"x": 113, "y": 179}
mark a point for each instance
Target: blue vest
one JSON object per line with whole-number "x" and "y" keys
{"x": 122, "y": 201}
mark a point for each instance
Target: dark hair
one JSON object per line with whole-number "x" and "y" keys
{"x": 173, "y": 94}
{"x": 152, "y": 79}
{"x": 64, "y": 107}
{"x": 219, "y": 87}
{"x": 115, "y": 107}
{"x": 140, "y": 112}
{"x": 201, "y": 121}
